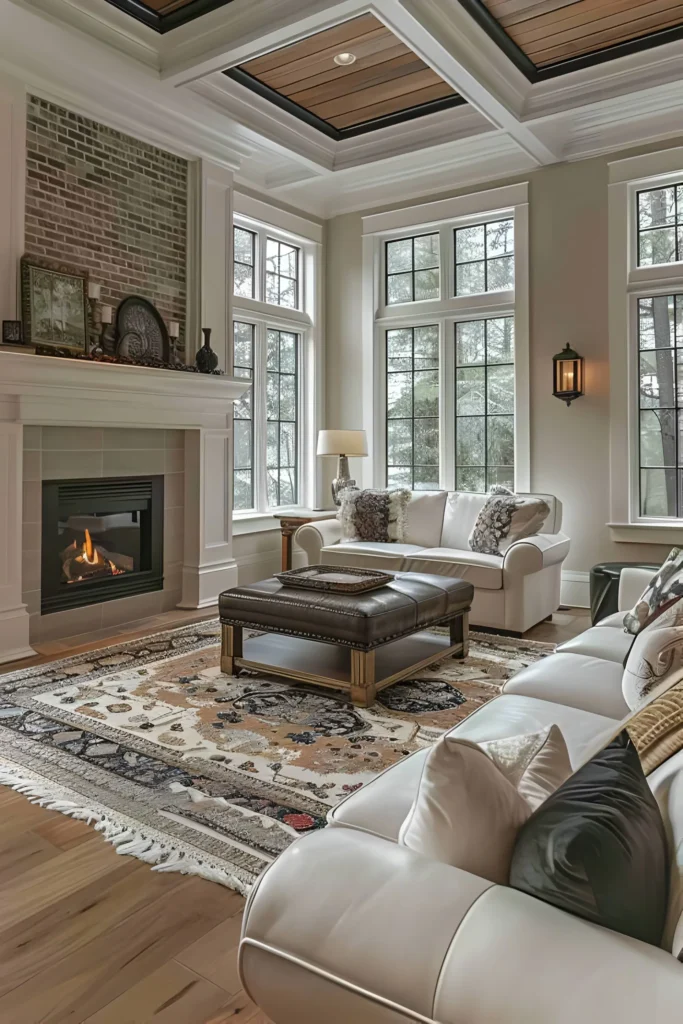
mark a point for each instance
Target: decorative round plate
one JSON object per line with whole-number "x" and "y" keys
{"x": 136, "y": 315}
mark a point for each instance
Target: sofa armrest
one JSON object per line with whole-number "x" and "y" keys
{"x": 531, "y": 554}
{"x": 346, "y": 926}
{"x": 313, "y": 537}
{"x": 632, "y": 583}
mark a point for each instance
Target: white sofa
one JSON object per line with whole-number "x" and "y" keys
{"x": 349, "y": 926}
{"x": 511, "y": 593}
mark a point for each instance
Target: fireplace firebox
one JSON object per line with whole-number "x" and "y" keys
{"x": 101, "y": 540}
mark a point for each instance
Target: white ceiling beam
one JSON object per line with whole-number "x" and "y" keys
{"x": 448, "y": 39}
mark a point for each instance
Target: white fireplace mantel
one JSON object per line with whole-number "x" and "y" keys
{"x": 71, "y": 392}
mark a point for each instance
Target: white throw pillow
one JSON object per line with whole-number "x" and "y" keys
{"x": 536, "y": 764}
{"x": 424, "y": 516}
{"x": 473, "y": 799}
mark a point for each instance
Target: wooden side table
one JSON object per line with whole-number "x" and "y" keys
{"x": 290, "y": 523}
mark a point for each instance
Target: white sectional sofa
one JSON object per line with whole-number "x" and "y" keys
{"x": 349, "y": 926}
{"x": 511, "y": 593}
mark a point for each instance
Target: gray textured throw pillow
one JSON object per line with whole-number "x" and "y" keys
{"x": 505, "y": 518}
{"x": 373, "y": 515}
{"x": 660, "y": 596}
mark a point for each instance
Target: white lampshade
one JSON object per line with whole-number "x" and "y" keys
{"x": 342, "y": 442}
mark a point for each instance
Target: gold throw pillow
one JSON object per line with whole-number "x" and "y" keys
{"x": 657, "y": 729}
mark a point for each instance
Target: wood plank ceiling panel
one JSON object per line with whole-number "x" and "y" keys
{"x": 552, "y": 31}
{"x": 387, "y": 77}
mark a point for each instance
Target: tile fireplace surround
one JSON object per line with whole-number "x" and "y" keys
{"x": 101, "y": 398}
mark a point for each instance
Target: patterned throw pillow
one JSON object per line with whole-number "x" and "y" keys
{"x": 657, "y": 728}
{"x": 660, "y": 596}
{"x": 375, "y": 516}
{"x": 506, "y": 517}
{"x": 655, "y": 661}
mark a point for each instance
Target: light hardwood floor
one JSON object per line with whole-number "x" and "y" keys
{"x": 91, "y": 937}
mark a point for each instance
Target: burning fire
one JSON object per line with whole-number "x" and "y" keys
{"x": 92, "y": 561}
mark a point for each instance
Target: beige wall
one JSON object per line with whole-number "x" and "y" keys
{"x": 569, "y": 303}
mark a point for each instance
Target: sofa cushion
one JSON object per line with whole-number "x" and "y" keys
{"x": 597, "y": 847}
{"x": 424, "y": 518}
{"x": 460, "y": 515}
{"x": 381, "y": 805}
{"x": 482, "y": 571}
{"x": 592, "y": 684}
{"x": 466, "y": 812}
{"x": 600, "y": 642}
{"x": 368, "y": 555}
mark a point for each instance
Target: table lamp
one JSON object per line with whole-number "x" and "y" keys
{"x": 342, "y": 443}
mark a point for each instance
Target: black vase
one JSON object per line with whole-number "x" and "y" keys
{"x": 206, "y": 359}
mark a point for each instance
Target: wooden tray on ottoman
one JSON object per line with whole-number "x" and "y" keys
{"x": 358, "y": 643}
{"x": 335, "y": 579}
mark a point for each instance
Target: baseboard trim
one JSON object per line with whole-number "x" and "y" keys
{"x": 575, "y": 590}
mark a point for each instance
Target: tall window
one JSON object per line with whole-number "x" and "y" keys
{"x": 243, "y": 469}
{"x": 484, "y": 404}
{"x": 413, "y": 407}
{"x": 281, "y": 400}
{"x": 273, "y": 345}
{"x": 450, "y": 357}
{"x": 646, "y": 345}
{"x": 660, "y": 404}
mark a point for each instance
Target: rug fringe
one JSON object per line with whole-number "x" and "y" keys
{"x": 125, "y": 840}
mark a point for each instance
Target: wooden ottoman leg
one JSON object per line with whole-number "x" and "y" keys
{"x": 460, "y": 634}
{"x": 363, "y": 689}
{"x": 231, "y": 648}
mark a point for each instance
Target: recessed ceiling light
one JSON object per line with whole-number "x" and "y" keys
{"x": 344, "y": 59}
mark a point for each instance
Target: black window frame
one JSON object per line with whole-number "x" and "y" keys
{"x": 412, "y": 418}
{"x": 676, "y": 408}
{"x": 677, "y": 223}
{"x": 486, "y": 415}
{"x": 241, "y": 263}
{"x": 412, "y": 271}
{"x": 243, "y": 419}
{"x": 297, "y": 420}
{"x": 486, "y": 260}
{"x": 280, "y": 277}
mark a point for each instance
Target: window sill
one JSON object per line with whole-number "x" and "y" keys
{"x": 645, "y": 533}
{"x": 253, "y": 522}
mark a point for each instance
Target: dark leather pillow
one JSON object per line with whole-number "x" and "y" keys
{"x": 597, "y": 847}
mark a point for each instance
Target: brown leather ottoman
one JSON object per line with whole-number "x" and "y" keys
{"x": 355, "y": 642}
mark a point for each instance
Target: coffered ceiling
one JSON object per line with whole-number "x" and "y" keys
{"x": 441, "y": 95}
{"x": 550, "y": 37}
{"x": 349, "y": 79}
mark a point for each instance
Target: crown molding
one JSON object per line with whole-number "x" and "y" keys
{"x": 100, "y": 20}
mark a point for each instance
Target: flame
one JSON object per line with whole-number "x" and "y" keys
{"x": 90, "y": 554}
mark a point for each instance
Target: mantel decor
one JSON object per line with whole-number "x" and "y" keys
{"x": 103, "y": 357}
{"x": 141, "y": 331}
{"x": 54, "y": 304}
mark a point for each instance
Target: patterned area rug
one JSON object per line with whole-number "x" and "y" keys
{"x": 195, "y": 771}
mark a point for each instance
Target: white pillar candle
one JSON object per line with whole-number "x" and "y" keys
{"x": 106, "y": 314}
{"x": 94, "y": 290}
{"x": 173, "y": 329}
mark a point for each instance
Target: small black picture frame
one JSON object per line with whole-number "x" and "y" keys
{"x": 12, "y": 333}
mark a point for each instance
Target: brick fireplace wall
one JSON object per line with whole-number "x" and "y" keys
{"x": 103, "y": 201}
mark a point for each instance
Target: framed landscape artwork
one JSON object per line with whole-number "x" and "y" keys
{"x": 54, "y": 304}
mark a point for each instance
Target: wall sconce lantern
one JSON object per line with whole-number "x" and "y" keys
{"x": 568, "y": 375}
